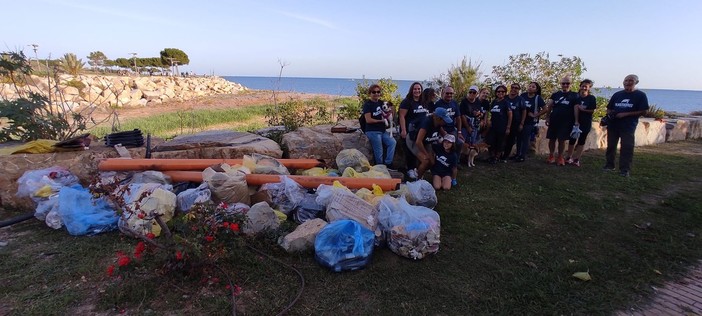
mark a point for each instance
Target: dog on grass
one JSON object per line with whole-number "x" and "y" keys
{"x": 472, "y": 150}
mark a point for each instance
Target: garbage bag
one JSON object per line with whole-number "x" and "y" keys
{"x": 344, "y": 245}
{"x": 346, "y": 205}
{"x": 352, "y": 158}
{"x": 34, "y": 180}
{"x": 421, "y": 193}
{"x": 259, "y": 218}
{"x": 45, "y": 206}
{"x": 83, "y": 215}
{"x": 188, "y": 198}
{"x": 262, "y": 164}
{"x": 325, "y": 192}
{"x": 148, "y": 199}
{"x": 150, "y": 176}
{"x": 228, "y": 186}
{"x": 308, "y": 209}
{"x": 411, "y": 231}
{"x": 286, "y": 194}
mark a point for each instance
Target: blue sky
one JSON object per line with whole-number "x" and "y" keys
{"x": 412, "y": 40}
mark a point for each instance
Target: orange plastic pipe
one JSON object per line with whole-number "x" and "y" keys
{"x": 304, "y": 181}
{"x": 116, "y": 164}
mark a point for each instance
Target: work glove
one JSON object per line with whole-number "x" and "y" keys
{"x": 575, "y": 133}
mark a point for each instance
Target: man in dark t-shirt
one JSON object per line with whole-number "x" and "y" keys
{"x": 624, "y": 109}
{"x": 560, "y": 121}
{"x": 585, "y": 108}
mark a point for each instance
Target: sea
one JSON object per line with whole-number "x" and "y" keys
{"x": 681, "y": 101}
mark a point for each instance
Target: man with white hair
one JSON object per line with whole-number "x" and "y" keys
{"x": 624, "y": 109}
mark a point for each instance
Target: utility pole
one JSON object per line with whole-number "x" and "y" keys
{"x": 172, "y": 60}
{"x": 135, "y": 65}
{"x": 35, "y": 47}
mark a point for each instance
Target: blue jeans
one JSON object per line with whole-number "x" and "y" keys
{"x": 377, "y": 140}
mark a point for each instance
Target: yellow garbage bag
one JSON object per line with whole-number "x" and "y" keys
{"x": 39, "y": 146}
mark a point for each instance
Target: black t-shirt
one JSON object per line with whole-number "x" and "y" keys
{"x": 376, "y": 111}
{"x": 415, "y": 111}
{"x": 623, "y": 101}
{"x": 470, "y": 109}
{"x": 563, "y": 104}
{"x": 516, "y": 105}
{"x": 532, "y": 105}
{"x": 498, "y": 115}
{"x": 432, "y": 133}
{"x": 590, "y": 103}
{"x": 453, "y": 112}
{"x": 485, "y": 105}
{"x": 445, "y": 161}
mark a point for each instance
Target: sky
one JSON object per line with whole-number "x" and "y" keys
{"x": 660, "y": 41}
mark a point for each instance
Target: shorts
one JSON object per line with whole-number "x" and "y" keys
{"x": 559, "y": 129}
{"x": 583, "y": 136}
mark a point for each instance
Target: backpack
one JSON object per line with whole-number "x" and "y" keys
{"x": 362, "y": 122}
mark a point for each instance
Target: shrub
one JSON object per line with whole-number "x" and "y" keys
{"x": 76, "y": 84}
{"x": 459, "y": 77}
{"x": 696, "y": 113}
{"x": 388, "y": 92}
{"x": 297, "y": 113}
{"x": 654, "y": 112}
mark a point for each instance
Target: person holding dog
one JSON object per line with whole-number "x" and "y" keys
{"x": 500, "y": 124}
{"x": 534, "y": 103}
{"x": 445, "y": 160}
{"x": 584, "y": 110}
{"x": 411, "y": 111}
{"x": 624, "y": 108}
{"x": 560, "y": 123}
{"x": 454, "y": 128}
{"x": 429, "y": 132}
{"x": 376, "y": 129}
{"x": 472, "y": 115}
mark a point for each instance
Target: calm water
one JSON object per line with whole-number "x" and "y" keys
{"x": 683, "y": 101}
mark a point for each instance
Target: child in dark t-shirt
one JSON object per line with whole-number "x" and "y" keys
{"x": 446, "y": 159}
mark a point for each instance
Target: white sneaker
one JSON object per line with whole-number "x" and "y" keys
{"x": 412, "y": 174}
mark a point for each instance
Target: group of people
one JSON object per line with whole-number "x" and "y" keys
{"x": 433, "y": 132}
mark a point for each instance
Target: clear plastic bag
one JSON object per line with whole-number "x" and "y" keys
{"x": 83, "y": 215}
{"x": 308, "y": 209}
{"x": 286, "y": 194}
{"x": 411, "y": 231}
{"x": 34, "y": 180}
{"x": 352, "y": 158}
{"x": 188, "y": 198}
{"x": 228, "y": 186}
{"x": 262, "y": 164}
{"x": 421, "y": 193}
{"x": 344, "y": 245}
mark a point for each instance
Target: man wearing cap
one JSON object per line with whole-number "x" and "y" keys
{"x": 472, "y": 114}
{"x": 429, "y": 132}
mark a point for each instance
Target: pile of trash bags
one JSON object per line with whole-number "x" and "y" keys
{"x": 342, "y": 226}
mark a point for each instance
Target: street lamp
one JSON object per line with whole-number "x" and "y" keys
{"x": 135, "y": 65}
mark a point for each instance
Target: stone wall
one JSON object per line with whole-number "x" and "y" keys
{"x": 120, "y": 91}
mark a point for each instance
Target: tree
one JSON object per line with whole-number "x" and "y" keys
{"x": 460, "y": 77}
{"x": 178, "y": 56}
{"x": 97, "y": 59}
{"x": 123, "y": 63}
{"x": 524, "y": 68}
{"x": 71, "y": 64}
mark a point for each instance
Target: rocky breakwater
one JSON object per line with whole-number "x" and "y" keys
{"x": 121, "y": 91}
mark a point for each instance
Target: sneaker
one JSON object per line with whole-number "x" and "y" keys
{"x": 520, "y": 159}
{"x": 551, "y": 159}
{"x": 412, "y": 174}
{"x": 561, "y": 161}
{"x": 624, "y": 173}
{"x": 569, "y": 161}
{"x": 608, "y": 168}
{"x": 454, "y": 182}
{"x": 576, "y": 162}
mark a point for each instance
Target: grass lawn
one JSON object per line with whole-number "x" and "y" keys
{"x": 512, "y": 236}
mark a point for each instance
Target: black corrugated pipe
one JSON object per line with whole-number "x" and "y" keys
{"x": 17, "y": 219}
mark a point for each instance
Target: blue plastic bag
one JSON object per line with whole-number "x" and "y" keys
{"x": 84, "y": 215}
{"x": 344, "y": 245}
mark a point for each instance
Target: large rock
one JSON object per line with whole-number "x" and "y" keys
{"x": 650, "y": 131}
{"x": 303, "y": 237}
{"x": 319, "y": 142}
{"x": 217, "y": 144}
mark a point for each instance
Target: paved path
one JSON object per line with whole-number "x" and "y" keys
{"x": 675, "y": 298}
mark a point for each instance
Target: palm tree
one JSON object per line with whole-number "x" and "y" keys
{"x": 71, "y": 64}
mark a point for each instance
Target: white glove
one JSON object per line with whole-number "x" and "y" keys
{"x": 575, "y": 133}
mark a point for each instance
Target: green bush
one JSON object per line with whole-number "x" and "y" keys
{"x": 76, "y": 84}
{"x": 654, "y": 112}
{"x": 349, "y": 109}
{"x": 388, "y": 92}
{"x": 297, "y": 113}
{"x": 601, "y": 109}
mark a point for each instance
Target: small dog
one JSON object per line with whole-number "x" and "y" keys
{"x": 388, "y": 117}
{"x": 472, "y": 150}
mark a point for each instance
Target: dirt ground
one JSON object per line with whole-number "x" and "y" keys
{"x": 222, "y": 101}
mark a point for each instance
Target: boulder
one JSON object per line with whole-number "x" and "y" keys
{"x": 650, "y": 131}
{"x": 319, "y": 142}
{"x": 217, "y": 144}
{"x": 303, "y": 237}
{"x": 694, "y": 127}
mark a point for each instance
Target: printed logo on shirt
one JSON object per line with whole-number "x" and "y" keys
{"x": 442, "y": 160}
{"x": 420, "y": 109}
{"x": 434, "y": 138}
{"x": 378, "y": 111}
{"x": 624, "y": 104}
{"x": 495, "y": 109}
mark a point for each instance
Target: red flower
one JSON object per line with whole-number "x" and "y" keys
{"x": 150, "y": 236}
{"x": 225, "y": 224}
{"x": 214, "y": 280}
{"x": 110, "y": 270}
{"x": 234, "y": 227}
{"x": 141, "y": 215}
{"x": 209, "y": 238}
{"x": 179, "y": 255}
{"x": 122, "y": 260}
{"x": 140, "y": 247}
{"x": 237, "y": 290}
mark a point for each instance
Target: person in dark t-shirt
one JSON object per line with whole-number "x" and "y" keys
{"x": 411, "y": 111}
{"x": 471, "y": 115}
{"x": 376, "y": 131}
{"x": 516, "y": 104}
{"x": 624, "y": 109}
{"x": 534, "y": 103}
{"x": 429, "y": 132}
{"x": 584, "y": 110}
{"x": 560, "y": 121}
{"x": 500, "y": 124}
{"x": 445, "y": 160}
